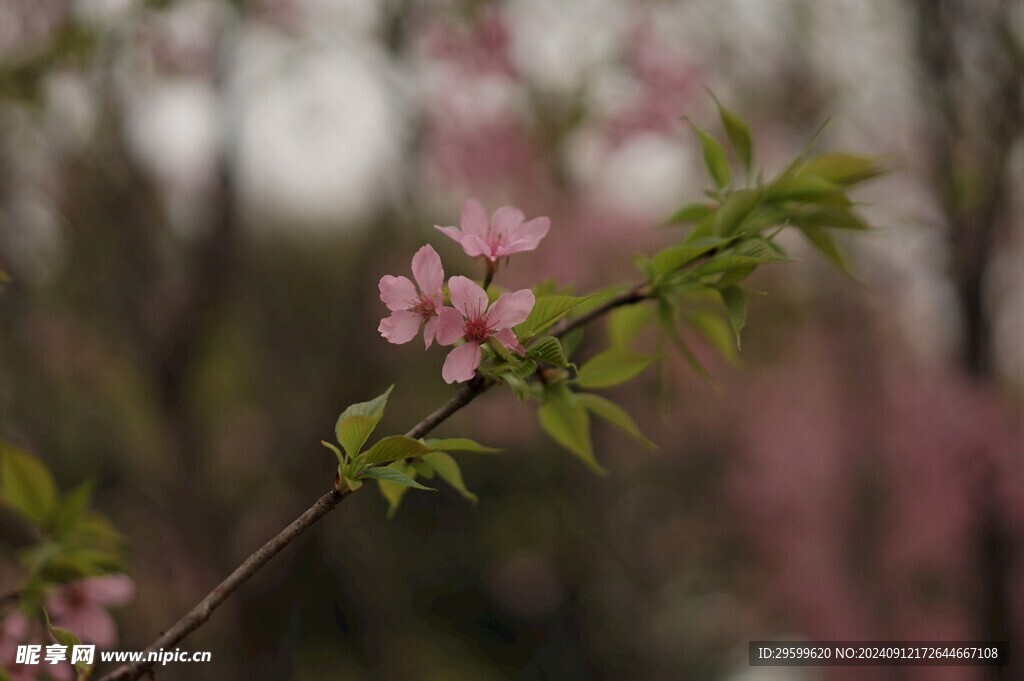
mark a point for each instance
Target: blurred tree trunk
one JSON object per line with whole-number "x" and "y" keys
{"x": 971, "y": 69}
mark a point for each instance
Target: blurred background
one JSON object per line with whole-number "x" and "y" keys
{"x": 197, "y": 198}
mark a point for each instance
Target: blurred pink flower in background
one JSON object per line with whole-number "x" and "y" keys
{"x": 472, "y": 321}
{"x": 508, "y": 233}
{"x": 81, "y": 607}
{"x": 410, "y": 307}
{"x": 16, "y": 630}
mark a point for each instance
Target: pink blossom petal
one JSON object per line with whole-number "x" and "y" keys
{"x": 505, "y": 222}
{"x": 427, "y": 270}
{"x": 467, "y": 297}
{"x": 430, "y": 331}
{"x": 511, "y": 309}
{"x": 401, "y": 327}
{"x": 507, "y": 337}
{"x": 453, "y": 233}
{"x": 473, "y": 219}
{"x": 109, "y": 590}
{"x": 474, "y": 247}
{"x": 526, "y": 237}
{"x": 461, "y": 363}
{"x": 450, "y": 327}
{"x": 398, "y": 293}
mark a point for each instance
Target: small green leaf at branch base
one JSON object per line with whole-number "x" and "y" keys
{"x": 607, "y": 410}
{"x": 26, "y": 485}
{"x": 612, "y": 367}
{"x": 445, "y": 466}
{"x": 459, "y": 444}
{"x": 565, "y": 420}
{"x": 357, "y": 422}
{"x": 335, "y": 450}
{"x": 395, "y": 476}
{"x": 393, "y": 448}
{"x": 548, "y": 349}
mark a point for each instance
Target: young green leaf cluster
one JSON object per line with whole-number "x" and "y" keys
{"x": 70, "y": 539}
{"x": 394, "y": 461}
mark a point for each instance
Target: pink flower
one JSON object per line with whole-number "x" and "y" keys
{"x": 507, "y": 233}
{"x": 410, "y": 306}
{"x": 472, "y": 321}
{"x": 81, "y": 607}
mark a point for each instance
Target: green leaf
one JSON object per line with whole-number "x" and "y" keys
{"x": 548, "y": 349}
{"x": 704, "y": 229}
{"x": 459, "y": 444}
{"x": 804, "y": 187}
{"x": 393, "y": 491}
{"x": 565, "y": 420}
{"x": 520, "y": 388}
{"x": 738, "y": 134}
{"x": 828, "y": 215}
{"x": 71, "y": 507}
{"x": 667, "y": 319}
{"x": 844, "y": 169}
{"x": 394, "y": 448}
{"x": 337, "y": 452}
{"x": 822, "y": 241}
{"x": 422, "y": 468}
{"x": 60, "y": 634}
{"x": 762, "y": 250}
{"x": 714, "y": 157}
{"x": 546, "y": 311}
{"x": 672, "y": 258}
{"x": 627, "y": 322}
{"x": 571, "y": 340}
{"x": 734, "y": 210}
{"x": 357, "y": 422}
{"x": 395, "y": 476}
{"x": 26, "y": 484}
{"x": 724, "y": 262}
{"x": 614, "y": 414}
{"x": 612, "y": 367}
{"x": 735, "y": 300}
{"x": 449, "y": 470}
{"x": 690, "y": 213}
{"x": 716, "y": 330}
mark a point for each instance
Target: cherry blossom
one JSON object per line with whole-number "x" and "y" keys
{"x": 471, "y": 321}
{"x": 412, "y": 306}
{"x": 507, "y": 233}
{"x": 81, "y": 606}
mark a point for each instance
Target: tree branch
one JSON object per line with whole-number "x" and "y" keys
{"x": 199, "y": 614}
